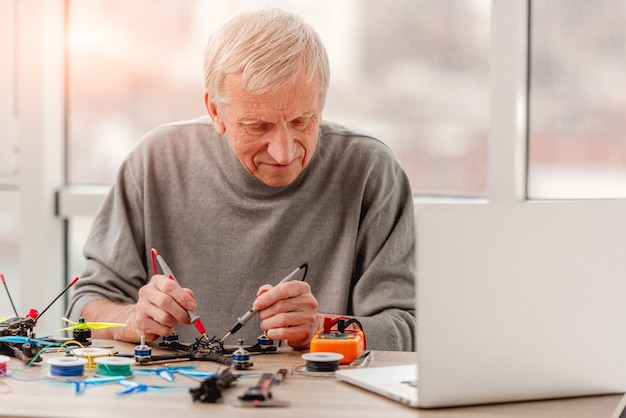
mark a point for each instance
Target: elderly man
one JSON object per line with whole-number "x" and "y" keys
{"x": 237, "y": 200}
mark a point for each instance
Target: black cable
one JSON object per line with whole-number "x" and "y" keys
{"x": 321, "y": 366}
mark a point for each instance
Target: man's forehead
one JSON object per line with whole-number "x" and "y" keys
{"x": 256, "y": 118}
{"x": 289, "y": 103}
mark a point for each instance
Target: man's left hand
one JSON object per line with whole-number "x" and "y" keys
{"x": 288, "y": 312}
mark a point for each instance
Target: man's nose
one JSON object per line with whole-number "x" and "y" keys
{"x": 282, "y": 146}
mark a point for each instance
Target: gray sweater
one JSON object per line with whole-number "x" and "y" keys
{"x": 224, "y": 233}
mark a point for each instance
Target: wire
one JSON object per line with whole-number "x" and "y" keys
{"x": 358, "y": 324}
{"x": 114, "y": 366}
{"x": 44, "y": 348}
{"x": 67, "y": 343}
{"x": 8, "y": 388}
{"x": 342, "y": 323}
{"x": 71, "y": 370}
{"x": 302, "y": 370}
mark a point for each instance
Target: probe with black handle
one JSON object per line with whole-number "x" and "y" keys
{"x": 252, "y": 311}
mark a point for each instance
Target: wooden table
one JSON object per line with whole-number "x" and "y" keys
{"x": 29, "y": 394}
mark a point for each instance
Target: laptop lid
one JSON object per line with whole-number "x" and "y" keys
{"x": 520, "y": 301}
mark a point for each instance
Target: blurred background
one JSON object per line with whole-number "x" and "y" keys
{"x": 414, "y": 73}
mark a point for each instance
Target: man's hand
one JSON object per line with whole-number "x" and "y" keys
{"x": 288, "y": 312}
{"x": 162, "y": 305}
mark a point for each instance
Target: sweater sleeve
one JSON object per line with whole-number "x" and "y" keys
{"x": 114, "y": 250}
{"x": 383, "y": 298}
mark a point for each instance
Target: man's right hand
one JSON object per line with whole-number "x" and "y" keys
{"x": 162, "y": 305}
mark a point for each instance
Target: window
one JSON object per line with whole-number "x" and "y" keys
{"x": 9, "y": 216}
{"x": 415, "y": 75}
{"x": 9, "y": 238}
{"x": 577, "y": 135}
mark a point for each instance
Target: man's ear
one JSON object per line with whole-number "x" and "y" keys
{"x": 211, "y": 107}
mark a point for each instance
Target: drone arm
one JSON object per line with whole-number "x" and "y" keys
{"x": 60, "y": 294}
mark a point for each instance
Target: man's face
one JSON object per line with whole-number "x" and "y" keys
{"x": 274, "y": 136}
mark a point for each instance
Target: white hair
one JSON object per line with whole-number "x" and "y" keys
{"x": 268, "y": 47}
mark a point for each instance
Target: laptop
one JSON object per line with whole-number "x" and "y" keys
{"x": 515, "y": 302}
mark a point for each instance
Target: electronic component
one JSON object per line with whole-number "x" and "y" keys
{"x": 143, "y": 353}
{"x": 348, "y": 342}
{"x": 210, "y": 390}
{"x": 264, "y": 345}
{"x": 241, "y": 357}
{"x": 82, "y": 334}
{"x": 260, "y": 394}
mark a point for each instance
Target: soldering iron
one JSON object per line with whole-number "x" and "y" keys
{"x": 252, "y": 311}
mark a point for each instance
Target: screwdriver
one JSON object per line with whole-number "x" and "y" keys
{"x": 195, "y": 318}
{"x": 246, "y": 317}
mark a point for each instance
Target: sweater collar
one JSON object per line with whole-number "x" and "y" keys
{"x": 243, "y": 181}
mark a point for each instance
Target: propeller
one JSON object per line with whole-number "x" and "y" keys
{"x": 81, "y": 385}
{"x": 81, "y": 330}
{"x": 135, "y": 387}
{"x": 167, "y": 372}
{"x": 82, "y": 325}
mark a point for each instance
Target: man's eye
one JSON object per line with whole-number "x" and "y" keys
{"x": 257, "y": 128}
{"x": 300, "y": 123}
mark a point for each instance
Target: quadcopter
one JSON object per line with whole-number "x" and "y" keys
{"x": 17, "y": 339}
{"x": 17, "y": 334}
{"x": 202, "y": 349}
